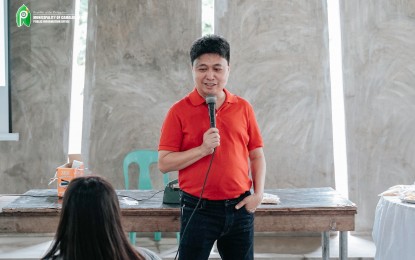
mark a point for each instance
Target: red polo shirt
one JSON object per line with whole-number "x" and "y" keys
{"x": 183, "y": 129}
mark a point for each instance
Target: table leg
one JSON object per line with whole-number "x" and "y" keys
{"x": 343, "y": 245}
{"x": 325, "y": 243}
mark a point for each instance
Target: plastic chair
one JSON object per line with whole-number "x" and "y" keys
{"x": 144, "y": 159}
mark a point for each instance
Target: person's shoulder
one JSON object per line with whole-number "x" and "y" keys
{"x": 236, "y": 99}
{"x": 242, "y": 102}
{"x": 180, "y": 104}
{"x": 148, "y": 254}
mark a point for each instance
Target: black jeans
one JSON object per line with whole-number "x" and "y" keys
{"x": 216, "y": 220}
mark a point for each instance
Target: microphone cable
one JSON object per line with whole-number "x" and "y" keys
{"x": 197, "y": 204}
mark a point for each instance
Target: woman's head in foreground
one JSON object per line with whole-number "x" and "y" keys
{"x": 90, "y": 223}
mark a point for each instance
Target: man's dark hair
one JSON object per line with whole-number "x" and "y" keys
{"x": 210, "y": 44}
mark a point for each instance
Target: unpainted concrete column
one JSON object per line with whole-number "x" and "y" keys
{"x": 280, "y": 63}
{"x": 40, "y": 67}
{"x": 379, "y": 75}
{"x": 137, "y": 66}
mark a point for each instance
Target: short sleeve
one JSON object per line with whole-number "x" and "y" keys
{"x": 171, "y": 134}
{"x": 255, "y": 138}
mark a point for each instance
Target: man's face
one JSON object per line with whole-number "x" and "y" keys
{"x": 210, "y": 74}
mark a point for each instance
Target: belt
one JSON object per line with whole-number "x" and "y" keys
{"x": 207, "y": 202}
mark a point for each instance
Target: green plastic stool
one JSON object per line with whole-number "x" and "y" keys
{"x": 144, "y": 159}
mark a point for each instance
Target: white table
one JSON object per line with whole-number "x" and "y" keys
{"x": 394, "y": 229}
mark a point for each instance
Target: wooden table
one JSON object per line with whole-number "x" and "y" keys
{"x": 303, "y": 210}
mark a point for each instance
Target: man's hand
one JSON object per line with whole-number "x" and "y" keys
{"x": 211, "y": 140}
{"x": 250, "y": 203}
{"x": 175, "y": 161}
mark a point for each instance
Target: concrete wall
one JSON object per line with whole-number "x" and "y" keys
{"x": 132, "y": 81}
{"x": 379, "y": 75}
{"x": 40, "y": 65}
{"x": 280, "y": 63}
{"x": 137, "y": 66}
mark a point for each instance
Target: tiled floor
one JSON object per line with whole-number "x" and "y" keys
{"x": 267, "y": 246}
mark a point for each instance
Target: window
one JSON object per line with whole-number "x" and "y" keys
{"x": 5, "y": 113}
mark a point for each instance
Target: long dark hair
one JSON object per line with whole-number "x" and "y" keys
{"x": 90, "y": 224}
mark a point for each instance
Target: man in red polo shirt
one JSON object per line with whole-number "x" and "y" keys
{"x": 214, "y": 163}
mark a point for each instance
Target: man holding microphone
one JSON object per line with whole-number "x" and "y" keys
{"x": 219, "y": 156}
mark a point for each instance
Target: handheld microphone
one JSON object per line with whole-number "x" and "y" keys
{"x": 211, "y": 101}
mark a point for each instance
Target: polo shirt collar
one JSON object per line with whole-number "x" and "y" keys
{"x": 197, "y": 99}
